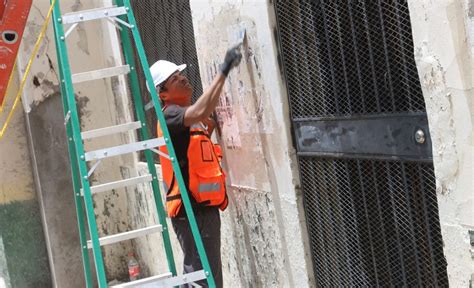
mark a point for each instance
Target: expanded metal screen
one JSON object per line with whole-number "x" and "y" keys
{"x": 354, "y": 57}
{"x": 372, "y": 220}
{"x": 166, "y": 29}
{"x": 373, "y": 223}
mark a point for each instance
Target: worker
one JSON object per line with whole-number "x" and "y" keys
{"x": 190, "y": 128}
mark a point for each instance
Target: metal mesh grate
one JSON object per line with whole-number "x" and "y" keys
{"x": 354, "y": 57}
{"x": 166, "y": 29}
{"x": 380, "y": 223}
{"x": 371, "y": 222}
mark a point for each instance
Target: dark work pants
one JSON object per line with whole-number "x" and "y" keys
{"x": 209, "y": 223}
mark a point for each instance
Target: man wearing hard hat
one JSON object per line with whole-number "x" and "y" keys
{"x": 190, "y": 127}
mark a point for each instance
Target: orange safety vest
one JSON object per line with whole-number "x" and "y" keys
{"x": 206, "y": 177}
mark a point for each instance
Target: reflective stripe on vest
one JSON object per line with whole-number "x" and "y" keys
{"x": 209, "y": 187}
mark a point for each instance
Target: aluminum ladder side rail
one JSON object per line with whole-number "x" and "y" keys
{"x": 169, "y": 145}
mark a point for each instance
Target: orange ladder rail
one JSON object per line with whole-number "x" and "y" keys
{"x": 13, "y": 16}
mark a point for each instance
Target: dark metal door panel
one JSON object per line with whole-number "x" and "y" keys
{"x": 367, "y": 176}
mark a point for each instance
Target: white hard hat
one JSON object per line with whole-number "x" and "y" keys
{"x": 162, "y": 70}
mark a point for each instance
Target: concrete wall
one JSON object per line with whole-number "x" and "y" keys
{"x": 443, "y": 51}
{"x": 23, "y": 255}
{"x": 264, "y": 237}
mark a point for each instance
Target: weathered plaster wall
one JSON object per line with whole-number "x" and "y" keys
{"x": 264, "y": 242}
{"x": 443, "y": 51}
{"x": 93, "y": 45}
{"x": 23, "y": 255}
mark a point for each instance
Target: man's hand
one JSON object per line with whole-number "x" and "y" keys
{"x": 232, "y": 59}
{"x": 206, "y": 104}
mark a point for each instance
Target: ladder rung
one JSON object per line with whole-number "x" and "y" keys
{"x": 124, "y": 149}
{"x": 119, "y": 184}
{"x": 165, "y": 281}
{"x": 100, "y": 74}
{"x": 111, "y": 130}
{"x": 141, "y": 282}
{"x": 126, "y": 235}
{"x": 92, "y": 14}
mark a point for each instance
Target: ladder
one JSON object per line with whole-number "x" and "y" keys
{"x": 122, "y": 16}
